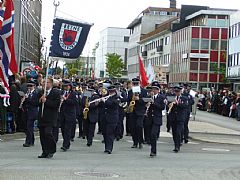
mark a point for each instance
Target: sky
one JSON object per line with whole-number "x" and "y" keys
{"x": 111, "y": 13}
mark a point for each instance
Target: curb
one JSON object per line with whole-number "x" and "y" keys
{"x": 215, "y": 142}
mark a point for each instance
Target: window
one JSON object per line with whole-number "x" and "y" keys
{"x": 221, "y": 23}
{"x": 211, "y": 22}
{"x": 205, "y": 44}
{"x": 203, "y": 66}
{"x": 214, "y": 44}
{"x": 223, "y": 45}
{"x": 164, "y": 13}
{"x": 126, "y": 38}
{"x": 167, "y": 40}
{"x": 195, "y": 43}
{"x": 194, "y": 66}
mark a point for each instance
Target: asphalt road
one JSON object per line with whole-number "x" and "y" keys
{"x": 196, "y": 161}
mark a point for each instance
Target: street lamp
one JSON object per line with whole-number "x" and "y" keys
{"x": 56, "y": 4}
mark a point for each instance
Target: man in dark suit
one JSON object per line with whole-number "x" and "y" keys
{"x": 137, "y": 116}
{"x": 30, "y": 107}
{"x": 112, "y": 116}
{"x": 48, "y": 119}
{"x": 158, "y": 106}
{"x": 68, "y": 113}
{"x": 123, "y": 100}
{"x": 178, "y": 116}
{"x": 92, "y": 118}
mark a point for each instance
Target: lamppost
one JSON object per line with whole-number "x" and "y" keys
{"x": 56, "y": 4}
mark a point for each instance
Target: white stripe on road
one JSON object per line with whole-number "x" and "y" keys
{"x": 215, "y": 150}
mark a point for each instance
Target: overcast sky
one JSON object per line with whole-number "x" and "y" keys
{"x": 111, "y": 13}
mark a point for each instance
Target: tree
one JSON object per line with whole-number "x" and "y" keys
{"x": 222, "y": 71}
{"x": 74, "y": 67}
{"x": 114, "y": 65}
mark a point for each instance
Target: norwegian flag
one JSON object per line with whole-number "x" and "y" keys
{"x": 8, "y": 64}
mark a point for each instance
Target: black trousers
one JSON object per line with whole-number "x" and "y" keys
{"x": 186, "y": 129}
{"x": 137, "y": 128}
{"x": 66, "y": 129}
{"x": 73, "y": 131}
{"x": 128, "y": 123}
{"x": 47, "y": 140}
{"x": 177, "y": 128}
{"x": 147, "y": 130}
{"x": 80, "y": 125}
{"x": 120, "y": 126}
{"x": 30, "y": 132}
{"x": 109, "y": 136}
{"x": 154, "y": 137}
{"x": 90, "y": 127}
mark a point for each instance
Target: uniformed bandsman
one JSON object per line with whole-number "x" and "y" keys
{"x": 178, "y": 110}
{"x": 157, "y": 107}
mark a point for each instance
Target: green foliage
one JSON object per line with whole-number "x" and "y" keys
{"x": 114, "y": 65}
{"x": 221, "y": 70}
{"x": 74, "y": 66}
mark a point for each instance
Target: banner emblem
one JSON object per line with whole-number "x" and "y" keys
{"x": 69, "y": 36}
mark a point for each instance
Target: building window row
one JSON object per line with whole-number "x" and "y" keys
{"x": 205, "y": 44}
{"x": 154, "y": 44}
{"x": 158, "y": 61}
{"x": 235, "y": 30}
{"x": 234, "y": 60}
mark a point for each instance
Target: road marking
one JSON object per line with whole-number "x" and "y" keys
{"x": 215, "y": 150}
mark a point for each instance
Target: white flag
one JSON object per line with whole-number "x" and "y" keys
{"x": 150, "y": 73}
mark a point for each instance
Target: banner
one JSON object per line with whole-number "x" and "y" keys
{"x": 143, "y": 75}
{"x": 68, "y": 38}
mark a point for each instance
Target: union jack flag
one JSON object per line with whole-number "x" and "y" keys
{"x": 8, "y": 64}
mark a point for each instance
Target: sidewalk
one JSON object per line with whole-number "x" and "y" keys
{"x": 212, "y": 132}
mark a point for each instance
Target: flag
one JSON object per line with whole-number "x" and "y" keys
{"x": 143, "y": 75}
{"x": 8, "y": 64}
{"x": 150, "y": 73}
{"x": 68, "y": 38}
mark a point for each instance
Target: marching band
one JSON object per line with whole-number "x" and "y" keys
{"x": 107, "y": 105}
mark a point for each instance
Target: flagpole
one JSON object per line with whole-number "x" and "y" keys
{"x": 56, "y": 4}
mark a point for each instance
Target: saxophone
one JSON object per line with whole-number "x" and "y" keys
{"x": 171, "y": 105}
{"x": 86, "y": 109}
{"x": 132, "y": 104}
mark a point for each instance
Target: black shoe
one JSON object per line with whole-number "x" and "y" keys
{"x": 42, "y": 156}
{"x": 185, "y": 141}
{"x": 26, "y": 145}
{"x": 50, "y": 155}
{"x": 176, "y": 150}
{"x": 168, "y": 130}
{"x": 103, "y": 141}
{"x": 117, "y": 138}
{"x": 72, "y": 140}
{"x": 88, "y": 144}
{"x": 99, "y": 132}
{"x": 79, "y": 136}
{"x": 108, "y": 151}
{"x": 64, "y": 149}
{"x": 140, "y": 146}
{"x": 83, "y": 137}
{"x": 153, "y": 154}
{"x": 134, "y": 146}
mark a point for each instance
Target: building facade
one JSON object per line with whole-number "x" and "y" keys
{"x": 233, "y": 65}
{"x": 145, "y": 23}
{"x": 112, "y": 40}
{"x": 199, "y": 50}
{"x": 27, "y": 39}
{"x": 156, "y": 50}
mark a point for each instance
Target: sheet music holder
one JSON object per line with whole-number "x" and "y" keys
{"x": 136, "y": 89}
{"x": 146, "y": 100}
{"x": 171, "y": 98}
{"x": 21, "y": 93}
{"x": 88, "y": 94}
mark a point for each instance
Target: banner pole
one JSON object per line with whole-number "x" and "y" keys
{"x": 45, "y": 85}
